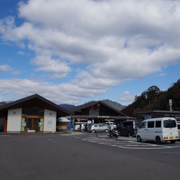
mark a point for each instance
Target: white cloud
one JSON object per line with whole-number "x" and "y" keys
{"x": 47, "y": 64}
{"x": 114, "y": 40}
{"x": 21, "y": 52}
{"x": 8, "y": 69}
{"x": 65, "y": 93}
{"x": 162, "y": 74}
{"x": 126, "y": 97}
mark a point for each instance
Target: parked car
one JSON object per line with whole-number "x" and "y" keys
{"x": 178, "y": 126}
{"x": 80, "y": 126}
{"x": 110, "y": 125}
{"x": 99, "y": 128}
{"x": 127, "y": 128}
{"x": 158, "y": 130}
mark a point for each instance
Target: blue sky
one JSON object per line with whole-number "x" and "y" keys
{"x": 73, "y": 52}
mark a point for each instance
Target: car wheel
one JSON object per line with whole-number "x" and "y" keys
{"x": 172, "y": 142}
{"x": 158, "y": 140}
{"x": 139, "y": 139}
{"x": 93, "y": 131}
{"x": 106, "y": 130}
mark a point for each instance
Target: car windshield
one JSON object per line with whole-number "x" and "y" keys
{"x": 169, "y": 123}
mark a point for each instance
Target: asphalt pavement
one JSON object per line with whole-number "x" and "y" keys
{"x": 86, "y": 156}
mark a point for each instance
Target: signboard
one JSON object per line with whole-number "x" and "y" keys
{"x": 49, "y": 123}
{"x": 147, "y": 116}
{"x": 170, "y": 102}
{"x": 31, "y": 131}
{"x": 23, "y": 124}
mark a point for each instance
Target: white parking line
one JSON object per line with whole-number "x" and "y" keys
{"x": 127, "y": 144}
{"x": 114, "y": 145}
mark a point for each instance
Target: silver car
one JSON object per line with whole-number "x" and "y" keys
{"x": 99, "y": 128}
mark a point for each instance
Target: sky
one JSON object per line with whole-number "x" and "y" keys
{"x": 75, "y": 51}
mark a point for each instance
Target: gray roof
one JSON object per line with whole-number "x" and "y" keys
{"x": 110, "y": 104}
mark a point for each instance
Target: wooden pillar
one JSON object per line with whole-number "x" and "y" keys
{"x": 5, "y": 126}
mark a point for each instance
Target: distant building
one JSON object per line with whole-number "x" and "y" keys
{"x": 159, "y": 113}
{"x": 31, "y": 114}
{"x": 97, "y": 112}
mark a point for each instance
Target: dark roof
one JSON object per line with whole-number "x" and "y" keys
{"x": 35, "y": 100}
{"x": 92, "y": 103}
{"x": 104, "y": 117}
{"x": 160, "y": 112}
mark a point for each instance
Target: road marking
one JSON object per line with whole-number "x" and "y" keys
{"x": 71, "y": 134}
{"x": 51, "y": 140}
{"x": 102, "y": 143}
{"x": 127, "y": 144}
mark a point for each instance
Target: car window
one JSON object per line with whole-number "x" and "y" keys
{"x": 95, "y": 125}
{"x": 120, "y": 125}
{"x": 169, "y": 123}
{"x": 158, "y": 124}
{"x": 142, "y": 125}
{"x": 151, "y": 124}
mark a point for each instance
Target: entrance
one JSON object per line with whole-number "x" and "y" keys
{"x": 32, "y": 123}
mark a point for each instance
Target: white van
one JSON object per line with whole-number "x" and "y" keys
{"x": 178, "y": 126}
{"x": 158, "y": 130}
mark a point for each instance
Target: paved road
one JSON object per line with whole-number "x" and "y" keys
{"x": 129, "y": 143}
{"x": 85, "y": 156}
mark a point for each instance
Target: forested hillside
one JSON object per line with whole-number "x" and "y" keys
{"x": 154, "y": 99}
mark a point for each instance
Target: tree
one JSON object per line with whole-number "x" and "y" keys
{"x": 152, "y": 92}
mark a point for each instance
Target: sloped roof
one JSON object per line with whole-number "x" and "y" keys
{"x": 92, "y": 103}
{"x": 35, "y": 100}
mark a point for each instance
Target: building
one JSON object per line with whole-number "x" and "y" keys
{"x": 31, "y": 114}
{"x": 97, "y": 112}
{"x": 159, "y": 113}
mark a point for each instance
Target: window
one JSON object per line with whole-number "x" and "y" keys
{"x": 158, "y": 124}
{"x": 169, "y": 123}
{"x": 35, "y": 111}
{"x": 143, "y": 125}
{"x": 151, "y": 124}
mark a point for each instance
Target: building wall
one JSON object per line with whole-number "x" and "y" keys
{"x": 14, "y": 120}
{"x": 49, "y": 121}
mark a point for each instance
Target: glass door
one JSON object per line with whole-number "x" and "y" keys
{"x": 29, "y": 122}
{"x": 35, "y": 125}
{"x": 32, "y": 124}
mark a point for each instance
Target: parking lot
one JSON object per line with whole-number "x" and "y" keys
{"x": 129, "y": 142}
{"x": 86, "y": 156}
